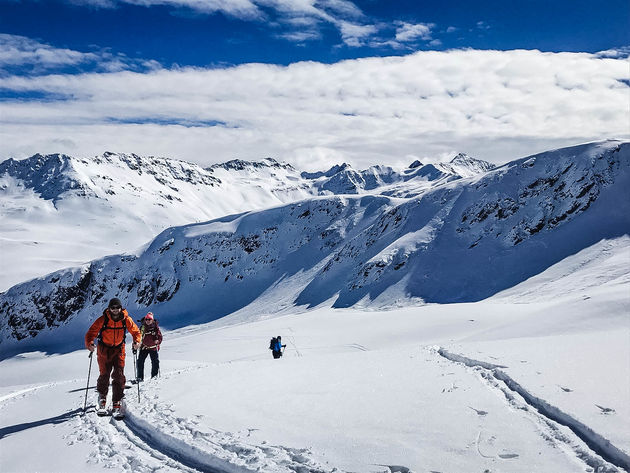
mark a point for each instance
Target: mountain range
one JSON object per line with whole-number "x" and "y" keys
{"x": 61, "y": 211}
{"x": 451, "y": 232}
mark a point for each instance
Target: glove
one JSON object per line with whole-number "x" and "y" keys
{"x": 135, "y": 346}
{"x": 91, "y": 347}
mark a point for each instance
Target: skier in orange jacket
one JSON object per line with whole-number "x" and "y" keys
{"x": 111, "y": 329}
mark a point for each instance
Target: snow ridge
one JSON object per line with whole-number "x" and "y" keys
{"x": 362, "y": 249}
{"x": 45, "y": 195}
{"x": 211, "y": 452}
{"x": 596, "y": 442}
{"x": 50, "y": 176}
{"x": 179, "y": 450}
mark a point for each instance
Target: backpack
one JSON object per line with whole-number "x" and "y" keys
{"x": 272, "y": 343}
{"x": 106, "y": 326}
{"x": 144, "y": 329}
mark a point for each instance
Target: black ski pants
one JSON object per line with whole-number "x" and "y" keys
{"x": 155, "y": 363}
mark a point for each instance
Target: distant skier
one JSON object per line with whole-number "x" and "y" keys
{"x": 150, "y": 345}
{"x": 111, "y": 329}
{"x": 276, "y": 346}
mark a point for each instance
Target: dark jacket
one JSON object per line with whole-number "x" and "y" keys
{"x": 276, "y": 345}
{"x": 151, "y": 335}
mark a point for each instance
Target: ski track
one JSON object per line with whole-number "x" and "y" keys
{"x": 183, "y": 441}
{"x": 155, "y": 441}
{"x": 28, "y": 391}
{"x": 356, "y": 346}
{"x": 145, "y": 436}
{"x": 549, "y": 415}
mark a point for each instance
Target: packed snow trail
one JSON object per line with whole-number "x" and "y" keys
{"x": 153, "y": 440}
{"x": 184, "y": 446}
{"x": 597, "y": 443}
{"x": 397, "y": 403}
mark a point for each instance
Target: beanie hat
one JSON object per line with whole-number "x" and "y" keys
{"x": 115, "y": 302}
{"x": 149, "y": 316}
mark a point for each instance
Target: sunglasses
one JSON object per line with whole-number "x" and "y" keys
{"x": 115, "y": 308}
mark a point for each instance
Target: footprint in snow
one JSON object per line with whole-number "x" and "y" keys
{"x": 451, "y": 389}
{"x": 508, "y": 456}
{"x": 566, "y": 390}
{"x": 396, "y": 468}
{"x": 605, "y": 410}
{"x": 479, "y": 413}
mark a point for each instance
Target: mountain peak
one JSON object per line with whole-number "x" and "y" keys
{"x": 466, "y": 166}
{"x": 337, "y": 168}
{"x": 49, "y": 175}
{"x": 241, "y": 165}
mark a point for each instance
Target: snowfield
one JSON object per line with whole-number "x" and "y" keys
{"x": 437, "y": 320}
{"x": 498, "y": 385}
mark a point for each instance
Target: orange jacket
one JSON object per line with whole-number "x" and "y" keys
{"x": 113, "y": 335}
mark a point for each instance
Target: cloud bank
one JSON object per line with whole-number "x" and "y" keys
{"x": 22, "y": 55}
{"x": 496, "y": 105}
{"x": 298, "y": 20}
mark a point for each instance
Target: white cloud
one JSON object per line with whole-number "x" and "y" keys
{"x": 245, "y": 9}
{"x": 356, "y": 35}
{"x": 491, "y": 104}
{"x": 19, "y": 51}
{"x": 342, "y": 14}
{"x": 410, "y": 32}
{"x": 619, "y": 53}
{"x": 301, "y": 36}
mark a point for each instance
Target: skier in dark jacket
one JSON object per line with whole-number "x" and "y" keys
{"x": 276, "y": 346}
{"x": 149, "y": 346}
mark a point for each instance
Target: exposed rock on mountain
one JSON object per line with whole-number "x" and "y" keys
{"x": 117, "y": 202}
{"x": 463, "y": 240}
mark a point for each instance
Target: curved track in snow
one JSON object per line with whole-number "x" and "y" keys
{"x": 516, "y": 393}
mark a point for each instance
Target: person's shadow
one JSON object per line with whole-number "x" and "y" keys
{"x": 11, "y": 429}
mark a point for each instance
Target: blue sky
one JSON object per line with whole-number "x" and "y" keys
{"x": 194, "y": 33}
{"x": 385, "y": 81}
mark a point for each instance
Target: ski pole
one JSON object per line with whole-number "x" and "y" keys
{"x": 135, "y": 371}
{"x": 88, "y": 380}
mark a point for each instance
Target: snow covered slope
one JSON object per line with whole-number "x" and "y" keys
{"x": 533, "y": 378}
{"x": 59, "y": 211}
{"x": 535, "y": 386}
{"x": 460, "y": 241}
